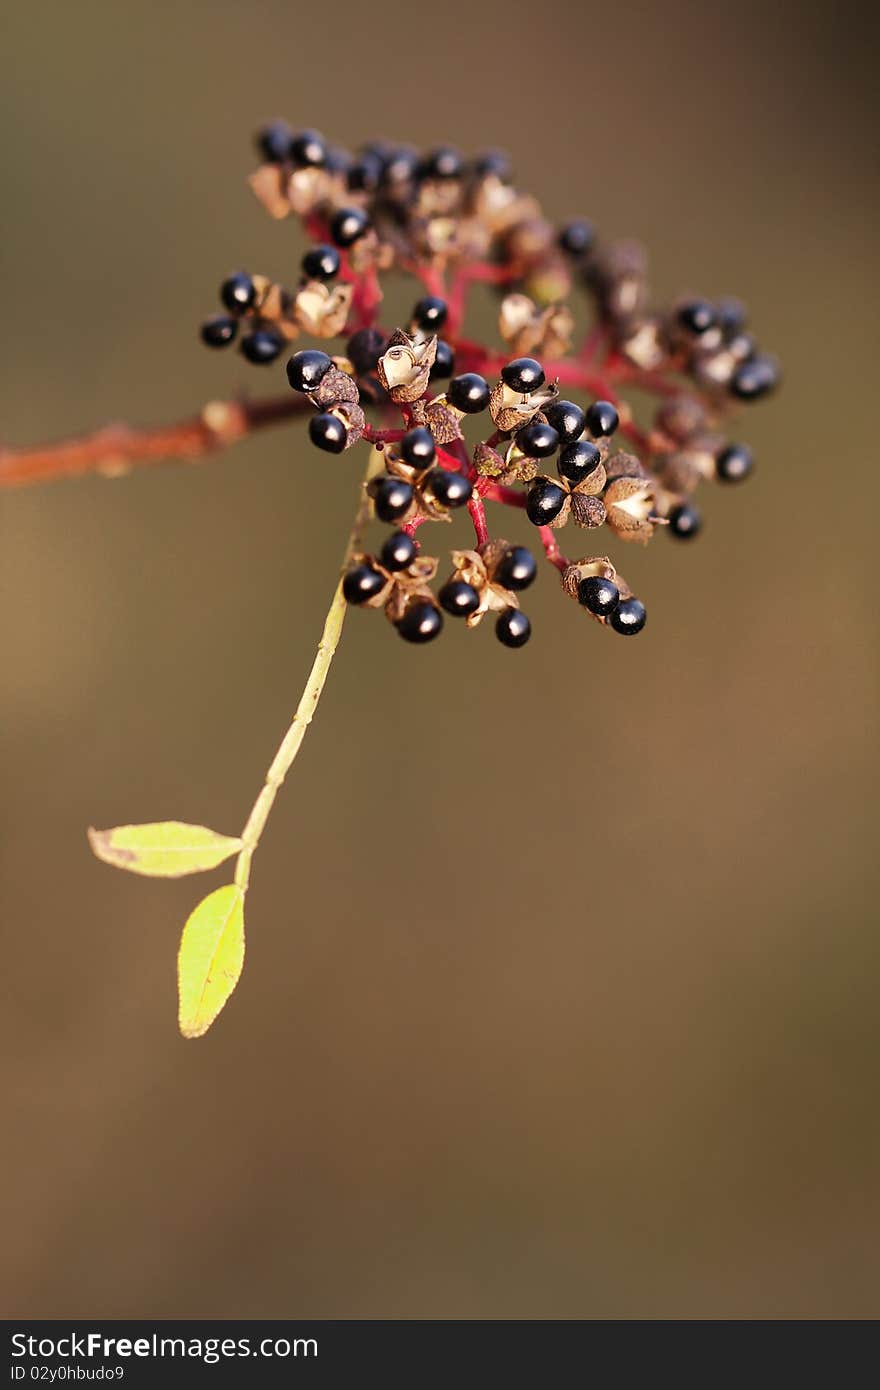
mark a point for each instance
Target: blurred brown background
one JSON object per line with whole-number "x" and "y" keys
{"x": 600, "y": 1036}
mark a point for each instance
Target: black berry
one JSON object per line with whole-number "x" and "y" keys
{"x": 308, "y": 147}
{"x": 537, "y": 440}
{"x": 400, "y": 168}
{"x": 459, "y": 598}
{"x": 697, "y": 316}
{"x": 469, "y": 393}
{"x": 398, "y": 552}
{"x": 523, "y": 374}
{"x": 238, "y": 293}
{"x": 421, "y": 622}
{"x": 568, "y": 420}
{"x": 337, "y": 161}
{"x": 444, "y": 361}
{"x": 305, "y": 369}
{"x": 516, "y": 569}
{"x": 684, "y": 521}
{"x": 362, "y": 582}
{"x": 577, "y": 237}
{"x": 513, "y": 628}
{"x": 364, "y": 349}
{"x": 755, "y": 378}
{"x": 365, "y": 174}
{"x": 735, "y": 463}
{"x": 544, "y": 502}
{"x": 602, "y": 419}
{"x": 219, "y": 330}
{"x": 348, "y": 225}
{"x": 578, "y": 460}
{"x": 430, "y": 313}
{"x": 262, "y": 346}
{"x": 448, "y": 488}
{"x": 442, "y": 163}
{"x": 599, "y": 595}
{"x": 417, "y": 447}
{"x": 493, "y": 164}
{"x": 328, "y": 432}
{"x": 392, "y": 497}
{"x": 321, "y": 263}
{"x": 629, "y": 617}
{"x": 732, "y": 315}
{"x": 273, "y": 142}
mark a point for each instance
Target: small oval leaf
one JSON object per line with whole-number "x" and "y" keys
{"x": 210, "y": 959}
{"x": 164, "y": 849}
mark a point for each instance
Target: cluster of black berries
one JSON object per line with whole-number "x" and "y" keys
{"x": 262, "y": 342}
{"x": 488, "y": 579}
{"x": 437, "y": 215}
{"x": 707, "y": 341}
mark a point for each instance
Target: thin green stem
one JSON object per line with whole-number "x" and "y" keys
{"x": 308, "y": 703}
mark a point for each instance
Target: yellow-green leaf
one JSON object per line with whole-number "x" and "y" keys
{"x": 210, "y": 959}
{"x": 164, "y": 849}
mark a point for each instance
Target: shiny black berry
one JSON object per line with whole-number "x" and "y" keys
{"x": 544, "y": 502}
{"x": 365, "y": 174}
{"x": 262, "y": 346}
{"x": 599, "y": 595}
{"x": 755, "y": 378}
{"x": 444, "y": 362}
{"x": 308, "y": 147}
{"x": 430, "y": 313}
{"x": 523, "y": 374}
{"x": 513, "y": 628}
{"x": 459, "y": 598}
{"x": 732, "y": 315}
{"x": 629, "y": 617}
{"x": 273, "y": 142}
{"x": 219, "y": 330}
{"x": 442, "y": 163}
{"x": 577, "y": 461}
{"x": 537, "y": 440}
{"x": 684, "y": 521}
{"x": 400, "y": 167}
{"x": 577, "y": 237}
{"x": 362, "y": 582}
{"x": 421, "y": 622}
{"x": 337, "y": 161}
{"x": 364, "y": 348}
{"x": 602, "y": 419}
{"x": 697, "y": 316}
{"x": 321, "y": 263}
{"x": 328, "y": 432}
{"x": 516, "y": 568}
{"x": 392, "y": 497}
{"x": 417, "y": 447}
{"x": 735, "y": 463}
{"x": 493, "y": 164}
{"x": 305, "y": 369}
{"x": 398, "y": 552}
{"x": 469, "y": 393}
{"x": 448, "y": 488}
{"x": 238, "y": 293}
{"x": 568, "y": 420}
{"x": 348, "y": 225}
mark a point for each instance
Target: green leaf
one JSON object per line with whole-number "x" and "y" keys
{"x": 164, "y": 849}
{"x": 210, "y": 959}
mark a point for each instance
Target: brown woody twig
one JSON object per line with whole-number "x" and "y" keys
{"x": 117, "y": 449}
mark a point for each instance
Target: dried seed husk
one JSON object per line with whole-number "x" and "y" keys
{"x": 587, "y": 511}
{"x": 269, "y": 185}
{"x": 322, "y": 310}
{"x": 629, "y": 502}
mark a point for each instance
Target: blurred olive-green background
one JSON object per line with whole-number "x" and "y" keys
{"x": 563, "y": 965}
